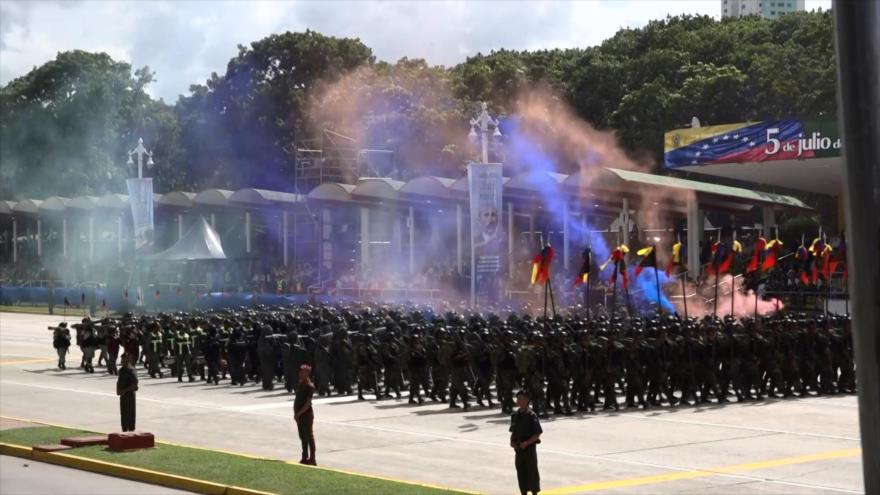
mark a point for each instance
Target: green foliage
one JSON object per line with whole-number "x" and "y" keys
{"x": 795, "y": 228}
{"x": 239, "y": 128}
{"x": 65, "y": 126}
{"x": 269, "y": 475}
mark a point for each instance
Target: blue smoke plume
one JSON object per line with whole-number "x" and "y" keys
{"x": 525, "y": 156}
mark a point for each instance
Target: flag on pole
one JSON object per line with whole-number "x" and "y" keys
{"x": 675, "y": 260}
{"x": 757, "y": 252}
{"x": 722, "y": 258}
{"x": 772, "y": 249}
{"x": 82, "y": 298}
{"x": 618, "y": 257}
{"x": 805, "y": 261}
{"x": 584, "y": 273}
{"x": 125, "y": 294}
{"x": 157, "y": 294}
{"x": 67, "y": 301}
{"x": 821, "y": 252}
{"x": 541, "y": 265}
{"x": 103, "y": 303}
{"x": 649, "y": 259}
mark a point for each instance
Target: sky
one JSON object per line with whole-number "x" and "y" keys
{"x": 183, "y": 42}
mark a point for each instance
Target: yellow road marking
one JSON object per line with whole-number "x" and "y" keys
{"x": 251, "y": 456}
{"x": 702, "y": 473}
{"x": 25, "y": 361}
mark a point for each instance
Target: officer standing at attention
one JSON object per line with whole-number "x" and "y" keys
{"x": 304, "y": 415}
{"x": 126, "y": 386}
{"x": 525, "y": 434}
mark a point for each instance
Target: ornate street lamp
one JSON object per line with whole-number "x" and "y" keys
{"x": 482, "y": 123}
{"x": 141, "y": 151}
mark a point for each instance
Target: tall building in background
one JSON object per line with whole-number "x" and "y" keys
{"x": 768, "y": 9}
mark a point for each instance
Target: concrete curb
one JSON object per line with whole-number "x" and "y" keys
{"x": 127, "y": 472}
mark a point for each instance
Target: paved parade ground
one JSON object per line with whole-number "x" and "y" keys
{"x": 794, "y": 446}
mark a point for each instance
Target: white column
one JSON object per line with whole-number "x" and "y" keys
{"x": 91, "y": 238}
{"x": 247, "y": 232}
{"x": 411, "y": 227}
{"x": 64, "y": 237}
{"x": 565, "y": 234}
{"x": 624, "y": 221}
{"x": 14, "y": 240}
{"x": 326, "y": 239}
{"x": 397, "y": 234}
{"x": 510, "y": 241}
{"x": 39, "y": 237}
{"x": 119, "y": 236}
{"x": 694, "y": 233}
{"x": 365, "y": 237}
{"x": 532, "y": 231}
{"x": 213, "y": 221}
{"x": 768, "y": 220}
{"x": 179, "y": 226}
{"x": 458, "y": 238}
{"x": 284, "y": 235}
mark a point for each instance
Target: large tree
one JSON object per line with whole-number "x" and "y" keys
{"x": 65, "y": 128}
{"x": 239, "y": 128}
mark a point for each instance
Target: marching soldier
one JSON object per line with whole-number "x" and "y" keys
{"x": 61, "y": 343}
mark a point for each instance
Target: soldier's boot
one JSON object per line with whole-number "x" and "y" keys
{"x": 360, "y": 392}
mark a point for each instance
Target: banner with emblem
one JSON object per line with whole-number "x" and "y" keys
{"x": 786, "y": 139}
{"x": 485, "y": 183}
{"x": 140, "y": 197}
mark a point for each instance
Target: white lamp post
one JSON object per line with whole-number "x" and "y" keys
{"x": 140, "y": 151}
{"x": 482, "y": 123}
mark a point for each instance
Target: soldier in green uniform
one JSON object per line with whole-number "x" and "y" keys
{"x": 417, "y": 364}
{"x": 154, "y": 350}
{"x": 525, "y": 434}
{"x": 61, "y": 343}
{"x": 126, "y": 386}
{"x": 507, "y": 374}
{"x": 182, "y": 355}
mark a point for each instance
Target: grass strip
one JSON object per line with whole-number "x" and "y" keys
{"x": 218, "y": 467}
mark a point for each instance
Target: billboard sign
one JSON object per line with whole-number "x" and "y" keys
{"x": 485, "y": 185}
{"x": 787, "y": 139}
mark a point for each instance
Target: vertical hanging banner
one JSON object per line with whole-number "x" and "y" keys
{"x": 140, "y": 196}
{"x": 485, "y": 184}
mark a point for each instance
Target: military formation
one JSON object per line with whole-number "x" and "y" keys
{"x": 566, "y": 363}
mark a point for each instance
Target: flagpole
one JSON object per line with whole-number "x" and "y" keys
{"x": 614, "y": 293}
{"x": 715, "y": 302}
{"x": 684, "y": 293}
{"x": 715, "y": 265}
{"x": 589, "y": 262}
{"x": 657, "y": 279}
{"x": 732, "y": 274}
{"x": 587, "y": 296}
{"x": 756, "y": 297}
{"x": 552, "y": 303}
{"x": 545, "y": 301}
